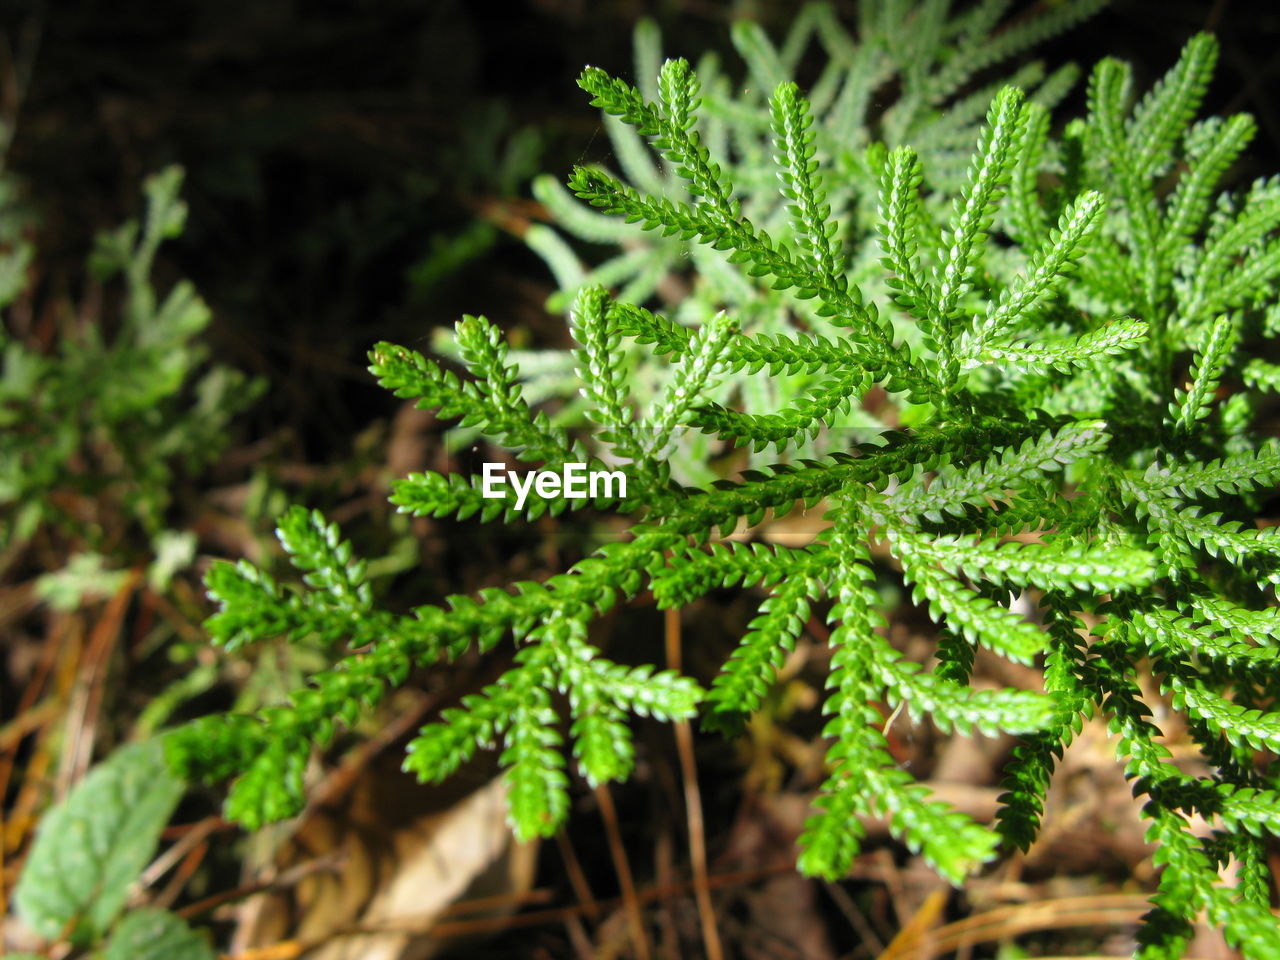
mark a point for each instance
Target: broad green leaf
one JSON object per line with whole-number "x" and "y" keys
{"x": 151, "y": 934}
{"x": 93, "y": 845}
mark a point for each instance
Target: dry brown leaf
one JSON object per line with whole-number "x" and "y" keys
{"x": 387, "y": 889}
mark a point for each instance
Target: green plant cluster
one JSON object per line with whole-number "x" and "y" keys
{"x": 908, "y": 74}
{"x": 105, "y": 410}
{"x": 1056, "y": 323}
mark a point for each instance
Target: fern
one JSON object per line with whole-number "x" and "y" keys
{"x": 830, "y": 169}
{"x": 1035, "y": 342}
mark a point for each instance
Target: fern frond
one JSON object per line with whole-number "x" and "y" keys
{"x": 1026, "y": 211}
{"x": 777, "y": 353}
{"x": 251, "y": 606}
{"x": 900, "y": 216}
{"x": 962, "y": 708}
{"x": 1088, "y": 349}
{"x": 1161, "y": 630}
{"x": 678, "y": 92}
{"x": 1167, "y": 110}
{"x": 1206, "y": 370}
{"x": 1261, "y": 375}
{"x": 1235, "y": 474}
{"x": 982, "y": 52}
{"x": 316, "y": 547}
{"x": 453, "y": 495}
{"x": 864, "y": 776}
{"x": 494, "y": 403}
{"x": 537, "y": 786}
{"x": 979, "y": 619}
{"x": 1110, "y": 87}
{"x": 988, "y": 175}
{"x": 1035, "y": 449}
{"x": 1049, "y": 565}
{"x": 442, "y": 747}
{"x": 1212, "y": 147}
{"x": 697, "y": 371}
{"x": 1262, "y": 624}
{"x": 601, "y": 371}
{"x": 1005, "y": 469}
{"x": 792, "y": 426}
{"x": 1027, "y": 775}
{"x": 693, "y": 573}
{"x": 1045, "y": 274}
{"x": 1220, "y": 280}
{"x": 601, "y": 739}
{"x": 740, "y": 687}
{"x": 1238, "y": 724}
{"x": 801, "y": 182}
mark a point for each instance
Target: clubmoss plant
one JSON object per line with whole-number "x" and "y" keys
{"x": 1064, "y": 333}
{"x": 915, "y": 74}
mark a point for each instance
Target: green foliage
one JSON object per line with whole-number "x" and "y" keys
{"x": 92, "y": 846}
{"x": 151, "y": 934}
{"x": 1032, "y": 331}
{"x": 106, "y": 405}
{"x": 802, "y": 172}
{"x": 132, "y": 396}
